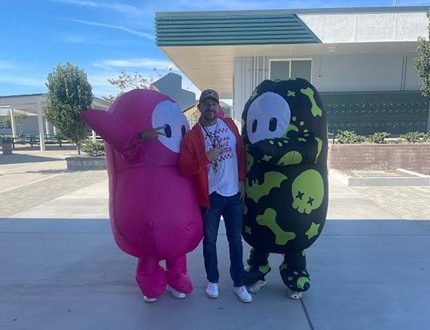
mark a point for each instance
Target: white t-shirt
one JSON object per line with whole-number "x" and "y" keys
{"x": 223, "y": 173}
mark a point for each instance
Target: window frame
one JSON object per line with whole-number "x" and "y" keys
{"x": 290, "y": 60}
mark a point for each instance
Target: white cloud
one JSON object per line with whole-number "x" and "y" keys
{"x": 114, "y": 27}
{"x": 145, "y": 63}
{"x": 6, "y": 65}
{"x": 114, "y": 6}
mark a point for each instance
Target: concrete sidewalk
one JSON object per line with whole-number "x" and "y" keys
{"x": 60, "y": 268}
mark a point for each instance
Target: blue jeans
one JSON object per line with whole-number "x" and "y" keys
{"x": 231, "y": 208}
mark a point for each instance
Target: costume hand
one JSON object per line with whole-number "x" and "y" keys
{"x": 151, "y": 133}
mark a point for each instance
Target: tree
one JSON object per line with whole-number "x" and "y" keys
{"x": 422, "y": 62}
{"x": 128, "y": 81}
{"x": 69, "y": 92}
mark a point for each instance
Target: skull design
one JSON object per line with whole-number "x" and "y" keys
{"x": 308, "y": 191}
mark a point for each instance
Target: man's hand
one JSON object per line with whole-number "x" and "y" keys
{"x": 242, "y": 190}
{"x": 152, "y": 133}
{"x": 213, "y": 154}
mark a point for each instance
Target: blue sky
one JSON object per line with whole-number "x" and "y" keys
{"x": 104, "y": 37}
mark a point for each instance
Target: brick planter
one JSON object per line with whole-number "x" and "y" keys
{"x": 413, "y": 157}
{"x": 84, "y": 163}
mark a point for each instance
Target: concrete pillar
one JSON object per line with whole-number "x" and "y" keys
{"x": 428, "y": 120}
{"x": 40, "y": 124}
{"x": 47, "y": 126}
{"x": 12, "y": 122}
{"x": 55, "y": 130}
{"x": 93, "y": 134}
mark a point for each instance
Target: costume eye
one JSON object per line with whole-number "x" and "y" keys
{"x": 168, "y": 114}
{"x": 272, "y": 124}
{"x": 268, "y": 117}
{"x": 168, "y": 130}
{"x": 254, "y": 125}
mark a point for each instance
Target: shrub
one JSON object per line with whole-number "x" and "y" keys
{"x": 93, "y": 148}
{"x": 378, "y": 137}
{"x": 348, "y": 137}
{"x": 414, "y": 137}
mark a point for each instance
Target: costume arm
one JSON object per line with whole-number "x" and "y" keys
{"x": 286, "y": 151}
{"x": 115, "y": 132}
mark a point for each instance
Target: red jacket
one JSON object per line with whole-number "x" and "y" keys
{"x": 193, "y": 161}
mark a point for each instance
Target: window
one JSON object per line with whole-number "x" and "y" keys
{"x": 284, "y": 69}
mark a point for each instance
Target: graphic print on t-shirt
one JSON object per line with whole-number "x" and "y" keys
{"x": 222, "y": 173}
{"x": 220, "y": 138}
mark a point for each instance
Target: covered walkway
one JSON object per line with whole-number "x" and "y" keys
{"x": 35, "y": 105}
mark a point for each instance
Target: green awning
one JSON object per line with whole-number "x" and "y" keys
{"x": 231, "y": 28}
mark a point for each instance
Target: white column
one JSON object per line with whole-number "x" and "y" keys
{"x": 93, "y": 134}
{"x": 40, "y": 124}
{"x": 55, "y": 130}
{"x": 12, "y": 122}
{"x": 428, "y": 120}
{"x": 47, "y": 126}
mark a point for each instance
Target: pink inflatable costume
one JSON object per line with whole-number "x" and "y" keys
{"x": 153, "y": 210}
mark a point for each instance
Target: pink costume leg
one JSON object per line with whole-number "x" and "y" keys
{"x": 177, "y": 276}
{"x": 150, "y": 277}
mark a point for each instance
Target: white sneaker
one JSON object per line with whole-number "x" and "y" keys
{"x": 149, "y": 300}
{"x": 256, "y": 286}
{"x": 295, "y": 295}
{"x": 243, "y": 294}
{"x": 175, "y": 293}
{"x": 212, "y": 290}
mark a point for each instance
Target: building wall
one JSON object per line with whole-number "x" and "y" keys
{"x": 248, "y": 73}
{"x": 332, "y": 73}
{"x": 367, "y": 72}
{"x": 361, "y": 27}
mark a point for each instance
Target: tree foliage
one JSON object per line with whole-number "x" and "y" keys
{"x": 69, "y": 92}
{"x": 128, "y": 81}
{"x": 422, "y": 62}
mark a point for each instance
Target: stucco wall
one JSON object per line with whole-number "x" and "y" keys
{"x": 350, "y": 27}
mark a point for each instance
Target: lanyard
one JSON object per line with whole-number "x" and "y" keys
{"x": 212, "y": 139}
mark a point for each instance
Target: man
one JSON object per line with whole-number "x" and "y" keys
{"x": 213, "y": 154}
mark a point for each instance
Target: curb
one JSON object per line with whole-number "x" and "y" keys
{"x": 418, "y": 179}
{"x": 85, "y": 163}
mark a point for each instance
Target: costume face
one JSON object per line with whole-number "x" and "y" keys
{"x": 168, "y": 114}
{"x": 268, "y": 117}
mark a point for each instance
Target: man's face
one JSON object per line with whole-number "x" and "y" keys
{"x": 209, "y": 108}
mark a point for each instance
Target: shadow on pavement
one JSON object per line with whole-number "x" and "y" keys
{"x": 18, "y": 159}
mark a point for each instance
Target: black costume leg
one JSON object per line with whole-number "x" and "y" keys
{"x": 258, "y": 267}
{"x": 293, "y": 272}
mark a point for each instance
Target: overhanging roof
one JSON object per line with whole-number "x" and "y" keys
{"x": 231, "y": 29}
{"x": 204, "y": 44}
{"x": 28, "y": 102}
